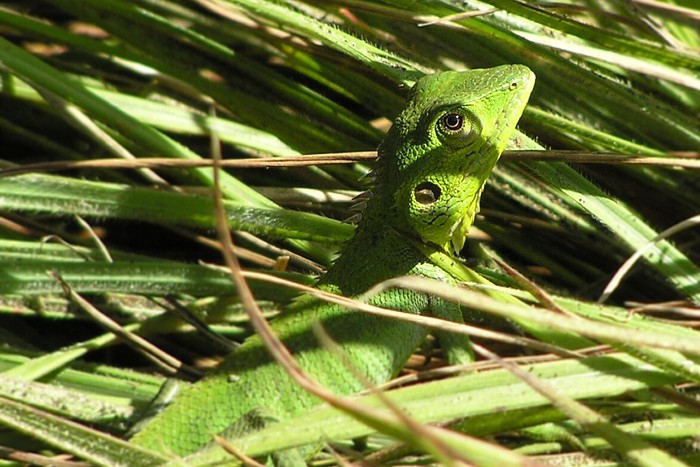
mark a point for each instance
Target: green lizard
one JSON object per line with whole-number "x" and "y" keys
{"x": 431, "y": 170}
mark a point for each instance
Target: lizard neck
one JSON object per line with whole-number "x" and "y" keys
{"x": 376, "y": 252}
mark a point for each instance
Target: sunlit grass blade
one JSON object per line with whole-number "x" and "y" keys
{"x": 91, "y": 445}
{"x": 161, "y": 78}
{"x": 65, "y": 196}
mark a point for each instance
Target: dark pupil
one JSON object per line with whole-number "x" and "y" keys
{"x": 453, "y": 121}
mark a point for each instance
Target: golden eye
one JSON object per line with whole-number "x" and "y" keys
{"x": 453, "y": 122}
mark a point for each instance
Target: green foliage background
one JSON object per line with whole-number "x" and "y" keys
{"x": 96, "y": 79}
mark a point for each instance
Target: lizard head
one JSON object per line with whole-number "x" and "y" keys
{"x": 435, "y": 160}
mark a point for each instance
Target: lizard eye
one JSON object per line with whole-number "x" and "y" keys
{"x": 427, "y": 193}
{"x": 453, "y": 122}
{"x": 456, "y": 127}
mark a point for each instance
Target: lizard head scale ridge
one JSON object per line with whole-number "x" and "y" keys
{"x": 435, "y": 159}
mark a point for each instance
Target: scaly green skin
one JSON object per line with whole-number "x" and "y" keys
{"x": 429, "y": 178}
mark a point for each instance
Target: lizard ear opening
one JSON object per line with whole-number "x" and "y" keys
{"x": 427, "y": 193}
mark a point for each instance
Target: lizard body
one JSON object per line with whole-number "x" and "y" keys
{"x": 431, "y": 170}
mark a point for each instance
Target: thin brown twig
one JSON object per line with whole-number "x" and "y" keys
{"x": 427, "y": 321}
{"x": 235, "y": 452}
{"x": 162, "y": 359}
{"x": 681, "y": 159}
{"x": 538, "y": 292}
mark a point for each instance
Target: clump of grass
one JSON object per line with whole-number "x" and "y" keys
{"x": 86, "y": 83}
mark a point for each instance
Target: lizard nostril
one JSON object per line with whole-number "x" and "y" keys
{"x": 427, "y": 193}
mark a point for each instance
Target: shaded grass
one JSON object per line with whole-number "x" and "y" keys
{"x": 94, "y": 79}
